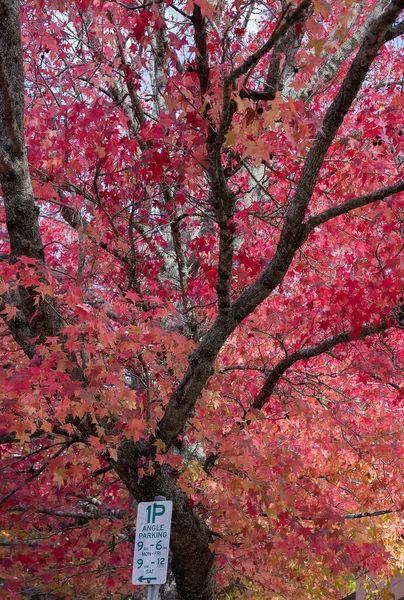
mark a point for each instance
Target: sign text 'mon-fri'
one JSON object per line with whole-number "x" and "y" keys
{"x": 152, "y": 542}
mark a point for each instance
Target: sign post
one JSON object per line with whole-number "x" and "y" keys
{"x": 152, "y": 543}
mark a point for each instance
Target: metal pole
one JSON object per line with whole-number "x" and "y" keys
{"x": 153, "y": 590}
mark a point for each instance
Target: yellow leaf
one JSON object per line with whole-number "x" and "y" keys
{"x": 160, "y": 445}
{"x": 59, "y": 476}
{"x": 231, "y": 138}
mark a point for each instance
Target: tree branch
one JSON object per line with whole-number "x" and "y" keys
{"x": 135, "y": 103}
{"x": 281, "y": 67}
{"x": 376, "y": 513}
{"x": 21, "y": 213}
{"x": 310, "y": 352}
{"x": 352, "y": 204}
{"x": 395, "y": 31}
{"x": 334, "y": 62}
{"x": 105, "y": 513}
{"x": 7, "y": 438}
{"x": 281, "y": 28}
{"x": 202, "y": 60}
{"x": 11, "y": 82}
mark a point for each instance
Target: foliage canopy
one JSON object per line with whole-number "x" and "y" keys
{"x": 201, "y": 276}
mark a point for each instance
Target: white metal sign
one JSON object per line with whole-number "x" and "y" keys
{"x": 152, "y": 541}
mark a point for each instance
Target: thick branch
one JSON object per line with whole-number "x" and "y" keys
{"x": 224, "y": 276}
{"x": 376, "y": 513}
{"x": 353, "y": 204}
{"x": 310, "y": 352}
{"x": 7, "y": 438}
{"x": 221, "y": 197}
{"x": 21, "y": 213}
{"x": 11, "y": 80}
{"x": 202, "y": 60}
{"x": 106, "y": 513}
{"x": 332, "y": 65}
{"x": 395, "y": 31}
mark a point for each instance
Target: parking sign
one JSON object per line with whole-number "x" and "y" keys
{"x": 152, "y": 542}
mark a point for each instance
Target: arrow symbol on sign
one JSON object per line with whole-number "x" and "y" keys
{"x": 141, "y": 578}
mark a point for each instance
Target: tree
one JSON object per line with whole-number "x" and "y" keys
{"x": 201, "y": 284}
